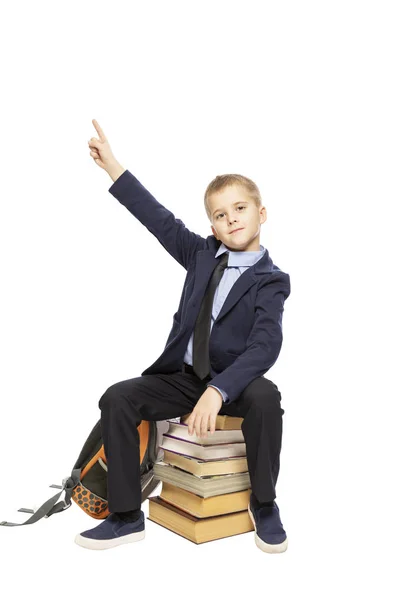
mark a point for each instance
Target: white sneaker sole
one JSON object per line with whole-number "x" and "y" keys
{"x": 105, "y": 544}
{"x": 270, "y": 548}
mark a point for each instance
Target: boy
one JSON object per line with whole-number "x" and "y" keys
{"x": 226, "y": 333}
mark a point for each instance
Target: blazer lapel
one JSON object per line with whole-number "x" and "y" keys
{"x": 205, "y": 265}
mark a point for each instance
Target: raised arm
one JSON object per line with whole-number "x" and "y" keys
{"x": 171, "y": 232}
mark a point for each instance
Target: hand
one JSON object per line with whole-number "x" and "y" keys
{"x": 101, "y": 151}
{"x": 205, "y": 412}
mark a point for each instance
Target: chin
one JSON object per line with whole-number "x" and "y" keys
{"x": 233, "y": 246}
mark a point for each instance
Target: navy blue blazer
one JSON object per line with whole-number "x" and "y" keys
{"x": 246, "y": 338}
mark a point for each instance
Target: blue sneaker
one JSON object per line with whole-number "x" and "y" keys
{"x": 113, "y": 531}
{"x": 269, "y": 533}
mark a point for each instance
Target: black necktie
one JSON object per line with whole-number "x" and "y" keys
{"x": 201, "y": 336}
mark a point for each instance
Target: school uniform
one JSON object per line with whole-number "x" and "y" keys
{"x": 245, "y": 340}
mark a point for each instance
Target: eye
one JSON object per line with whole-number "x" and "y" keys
{"x": 223, "y": 213}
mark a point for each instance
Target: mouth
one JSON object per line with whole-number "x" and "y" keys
{"x": 236, "y": 230}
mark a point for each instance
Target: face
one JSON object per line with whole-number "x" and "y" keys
{"x": 232, "y": 209}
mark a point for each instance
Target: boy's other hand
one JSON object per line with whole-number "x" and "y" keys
{"x": 205, "y": 413}
{"x": 102, "y": 155}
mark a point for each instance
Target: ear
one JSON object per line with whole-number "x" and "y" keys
{"x": 263, "y": 215}
{"x": 214, "y": 232}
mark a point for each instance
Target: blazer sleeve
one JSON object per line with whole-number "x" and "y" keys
{"x": 222, "y": 392}
{"x": 264, "y": 342}
{"x": 172, "y": 234}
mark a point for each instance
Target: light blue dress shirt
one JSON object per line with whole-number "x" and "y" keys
{"x": 238, "y": 262}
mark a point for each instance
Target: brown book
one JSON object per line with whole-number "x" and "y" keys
{"x": 194, "y": 529}
{"x": 202, "y": 468}
{"x": 222, "y": 421}
{"x": 204, "y": 507}
{"x": 180, "y": 431}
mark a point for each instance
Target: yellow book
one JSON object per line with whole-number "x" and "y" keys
{"x": 203, "y": 468}
{"x": 194, "y": 529}
{"x": 204, "y": 507}
{"x": 222, "y": 421}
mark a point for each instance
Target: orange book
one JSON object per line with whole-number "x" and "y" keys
{"x": 204, "y": 507}
{"x": 194, "y": 529}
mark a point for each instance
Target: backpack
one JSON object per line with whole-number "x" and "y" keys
{"x": 87, "y": 484}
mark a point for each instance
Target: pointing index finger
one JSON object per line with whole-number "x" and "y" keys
{"x": 99, "y": 130}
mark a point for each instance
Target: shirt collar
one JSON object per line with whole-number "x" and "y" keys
{"x": 240, "y": 259}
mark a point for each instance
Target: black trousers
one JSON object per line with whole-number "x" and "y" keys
{"x": 165, "y": 396}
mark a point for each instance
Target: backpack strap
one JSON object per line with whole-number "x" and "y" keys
{"x": 50, "y": 507}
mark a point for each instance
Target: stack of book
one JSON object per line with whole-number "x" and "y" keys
{"x": 205, "y": 482}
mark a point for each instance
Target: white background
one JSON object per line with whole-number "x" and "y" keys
{"x": 302, "y": 97}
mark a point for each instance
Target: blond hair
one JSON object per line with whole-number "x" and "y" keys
{"x": 222, "y": 181}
